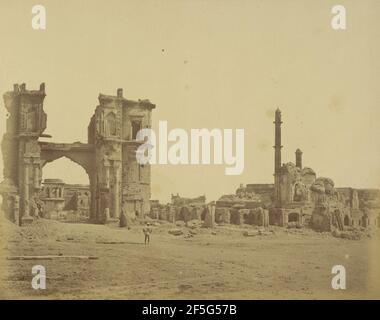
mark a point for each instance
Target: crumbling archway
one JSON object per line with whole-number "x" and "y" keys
{"x": 80, "y": 153}
{"x": 109, "y": 158}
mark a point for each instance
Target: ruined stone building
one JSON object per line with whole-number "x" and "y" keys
{"x": 58, "y": 199}
{"x": 180, "y": 209}
{"x": 178, "y": 201}
{"x": 118, "y": 184}
{"x": 248, "y": 205}
{"x": 299, "y": 196}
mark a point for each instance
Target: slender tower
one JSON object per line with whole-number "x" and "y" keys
{"x": 299, "y": 158}
{"x": 277, "y": 158}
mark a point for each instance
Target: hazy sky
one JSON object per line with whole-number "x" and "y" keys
{"x": 206, "y": 64}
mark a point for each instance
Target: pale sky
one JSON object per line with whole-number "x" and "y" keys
{"x": 209, "y": 64}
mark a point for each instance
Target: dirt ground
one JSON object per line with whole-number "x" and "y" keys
{"x": 212, "y": 264}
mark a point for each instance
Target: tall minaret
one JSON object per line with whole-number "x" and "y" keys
{"x": 299, "y": 158}
{"x": 277, "y": 158}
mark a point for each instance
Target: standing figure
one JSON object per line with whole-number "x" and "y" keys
{"x": 147, "y": 231}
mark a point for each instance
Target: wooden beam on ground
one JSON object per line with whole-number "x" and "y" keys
{"x": 112, "y": 242}
{"x": 50, "y": 257}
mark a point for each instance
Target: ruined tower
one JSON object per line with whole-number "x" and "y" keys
{"x": 299, "y": 158}
{"x": 277, "y": 158}
{"x": 121, "y": 184}
{"x": 26, "y": 122}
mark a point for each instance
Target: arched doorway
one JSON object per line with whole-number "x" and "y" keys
{"x": 293, "y": 217}
{"x": 365, "y": 221}
{"x": 65, "y": 191}
{"x": 346, "y": 220}
{"x": 184, "y": 214}
{"x": 204, "y": 213}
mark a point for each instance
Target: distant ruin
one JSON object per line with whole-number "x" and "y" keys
{"x": 61, "y": 201}
{"x": 118, "y": 184}
{"x": 296, "y": 198}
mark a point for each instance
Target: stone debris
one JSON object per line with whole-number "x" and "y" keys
{"x": 292, "y": 225}
{"x": 349, "y": 234}
{"x": 251, "y": 233}
{"x": 180, "y": 223}
{"x": 264, "y": 232}
{"x": 193, "y": 224}
{"x": 175, "y": 232}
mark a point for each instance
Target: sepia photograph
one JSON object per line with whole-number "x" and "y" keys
{"x": 210, "y": 150}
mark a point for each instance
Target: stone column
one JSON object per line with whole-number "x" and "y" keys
{"x": 26, "y": 218}
{"x": 26, "y": 188}
{"x": 93, "y": 199}
{"x": 16, "y": 209}
{"x": 36, "y": 175}
{"x": 104, "y": 206}
{"x": 107, "y": 176}
{"x": 213, "y": 208}
{"x": 210, "y": 216}
{"x": 116, "y": 190}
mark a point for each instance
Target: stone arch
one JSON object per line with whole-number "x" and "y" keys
{"x": 58, "y": 199}
{"x": 299, "y": 192}
{"x": 79, "y": 153}
{"x": 84, "y": 166}
{"x": 346, "y": 220}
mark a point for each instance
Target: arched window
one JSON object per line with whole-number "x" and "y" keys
{"x": 136, "y": 127}
{"x": 111, "y": 124}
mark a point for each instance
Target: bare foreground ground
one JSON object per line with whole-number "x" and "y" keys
{"x": 213, "y": 264}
